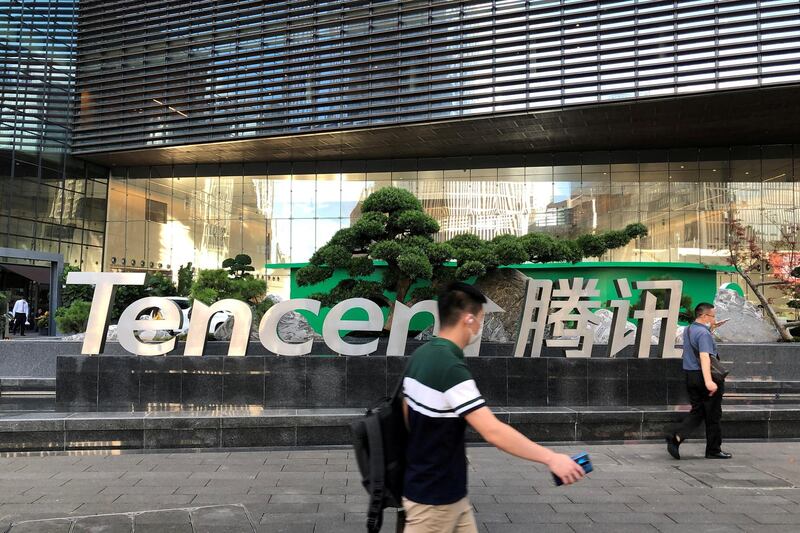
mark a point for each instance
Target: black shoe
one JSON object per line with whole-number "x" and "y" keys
{"x": 719, "y": 455}
{"x": 672, "y": 447}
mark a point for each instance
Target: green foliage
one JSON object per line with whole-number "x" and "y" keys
{"x": 185, "y": 279}
{"x": 216, "y": 284}
{"x": 260, "y": 309}
{"x": 391, "y": 200}
{"x": 154, "y": 285}
{"x": 353, "y": 288}
{"x": 394, "y": 228}
{"x": 313, "y": 274}
{"x": 239, "y": 266}
{"x": 73, "y": 319}
{"x": 3, "y": 311}
{"x": 74, "y": 293}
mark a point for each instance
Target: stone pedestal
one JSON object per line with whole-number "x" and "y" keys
{"x": 130, "y": 383}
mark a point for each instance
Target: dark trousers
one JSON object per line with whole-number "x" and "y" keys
{"x": 19, "y": 322}
{"x": 704, "y": 407}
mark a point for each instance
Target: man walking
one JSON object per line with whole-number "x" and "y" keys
{"x": 21, "y": 311}
{"x": 441, "y": 397}
{"x": 704, "y": 393}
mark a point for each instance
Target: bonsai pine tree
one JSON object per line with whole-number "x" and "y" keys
{"x": 394, "y": 228}
{"x": 239, "y": 266}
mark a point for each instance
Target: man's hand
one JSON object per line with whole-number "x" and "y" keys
{"x": 712, "y": 388}
{"x": 565, "y": 468}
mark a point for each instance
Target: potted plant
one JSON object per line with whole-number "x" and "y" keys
{"x": 43, "y": 323}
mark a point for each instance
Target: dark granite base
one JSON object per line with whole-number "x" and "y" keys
{"x": 130, "y": 383}
{"x": 256, "y": 428}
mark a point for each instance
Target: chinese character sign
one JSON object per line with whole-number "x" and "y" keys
{"x": 568, "y": 311}
{"x": 571, "y": 316}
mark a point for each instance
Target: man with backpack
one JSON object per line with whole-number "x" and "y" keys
{"x": 441, "y": 397}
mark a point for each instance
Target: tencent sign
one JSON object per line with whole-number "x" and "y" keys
{"x": 567, "y": 309}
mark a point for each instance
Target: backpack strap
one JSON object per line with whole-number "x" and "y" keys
{"x": 400, "y": 526}
{"x": 376, "y": 480}
{"x": 398, "y": 390}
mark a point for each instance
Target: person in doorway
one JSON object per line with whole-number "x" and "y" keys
{"x": 704, "y": 393}
{"x": 21, "y": 312}
{"x": 440, "y": 399}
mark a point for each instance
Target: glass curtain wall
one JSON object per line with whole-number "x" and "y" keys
{"x": 163, "y": 217}
{"x": 48, "y": 201}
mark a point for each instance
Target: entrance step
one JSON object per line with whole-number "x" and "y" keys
{"x": 259, "y": 428}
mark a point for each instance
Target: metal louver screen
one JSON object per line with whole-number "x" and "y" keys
{"x": 161, "y": 73}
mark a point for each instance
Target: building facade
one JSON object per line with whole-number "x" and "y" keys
{"x": 50, "y": 202}
{"x": 232, "y": 126}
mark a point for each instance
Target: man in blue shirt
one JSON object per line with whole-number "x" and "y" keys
{"x": 704, "y": 393}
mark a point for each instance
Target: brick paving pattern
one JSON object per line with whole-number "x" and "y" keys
{"x": 635, "y": 487}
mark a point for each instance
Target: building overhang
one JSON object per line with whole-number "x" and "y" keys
{"x": 718, "y": 118}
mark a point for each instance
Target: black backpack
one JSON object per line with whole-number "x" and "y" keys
{"x": 380, "y": 439}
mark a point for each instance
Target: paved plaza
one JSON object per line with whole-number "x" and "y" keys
{"x": 635, "y": 487}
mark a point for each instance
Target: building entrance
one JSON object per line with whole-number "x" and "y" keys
{"x": 33, "y": 276}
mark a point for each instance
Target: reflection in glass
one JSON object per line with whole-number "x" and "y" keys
{"x": 686, "y": 204}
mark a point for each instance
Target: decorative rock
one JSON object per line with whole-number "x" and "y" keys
{"x": 506, "y": 287}
{"x": 494, "y": 329}
{"x": 111, "y": 335}
{"x": 746, "y": 325}
{"x": 292, "y": 327}
{"x": 224, "y": 331}
{"x": 425, "y": 334}
{"x": 153, "y": 336}
{"x": 602, "y": 331}
{"x": 656, "y": 333}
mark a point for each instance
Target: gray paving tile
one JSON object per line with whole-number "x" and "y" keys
{"x": 48, "y": 526}
{"x": 176, "y": 500}
{"x": 775, "y": 518}
{"x": 630, "y": 518}
{"x": 163, "y": 521}
{"x": 710, "y": 518}
{"x": 286, "y": 528}
{"x": 320, "y": 488}
{"x": 513, "y": 507}
{"x": 591, "y": 508}
{"x": 308, "y": 498}
{"x": 523, "y": 517}
{"x": 232, "y": 519}
{"x": 708, "y": 528}
{"x": 104, "y": 524}
{"x": 162, "y": 517}
{"x": 526, "y": 528}
{"x": 613, "y": 528}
